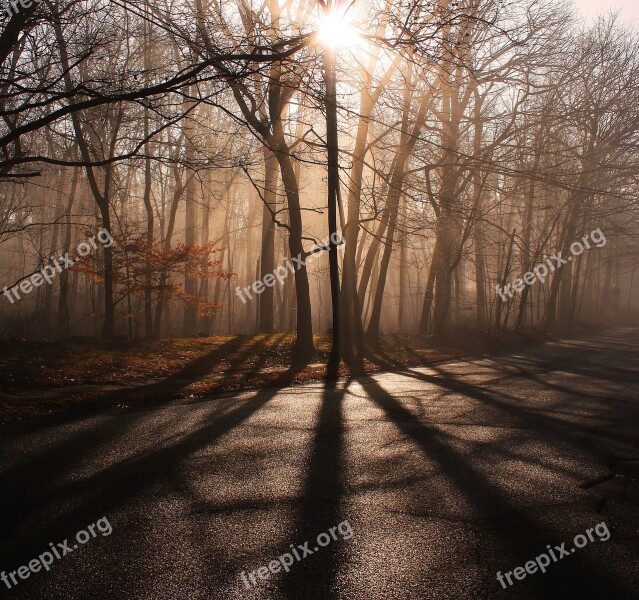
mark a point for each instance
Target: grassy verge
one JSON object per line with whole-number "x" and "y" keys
{"x": 52, "y": 378}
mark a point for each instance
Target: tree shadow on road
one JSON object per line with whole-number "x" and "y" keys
{"x": 521, "y": 536}
{"x": 321, "y": 505}
{"x": 43, "y": 489}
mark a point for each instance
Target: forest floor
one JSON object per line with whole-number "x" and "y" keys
{"x": 39, "y": 379}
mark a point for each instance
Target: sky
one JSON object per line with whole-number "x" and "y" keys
{"x": 592, "y": 8}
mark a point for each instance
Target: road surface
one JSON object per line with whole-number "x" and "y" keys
{"x": 440, "y": 478}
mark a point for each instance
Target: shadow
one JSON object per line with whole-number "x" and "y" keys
{"x": 49, "y": 496}
{"x": 73, "y": 480}
{"x": 315, "y": 576}
{"x": 62, "y": 457}
{"x": 235, "y": 352}
{"x": 521, "y": 537}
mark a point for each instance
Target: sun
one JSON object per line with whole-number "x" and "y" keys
{"x": 335, "y": 30}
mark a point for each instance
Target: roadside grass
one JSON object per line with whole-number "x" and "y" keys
{"x": 52, "y": 378}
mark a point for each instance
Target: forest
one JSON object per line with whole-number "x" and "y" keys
{"x": 416, "y": 156}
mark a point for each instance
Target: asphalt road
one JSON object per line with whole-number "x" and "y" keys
{"x": 444, "y": 476}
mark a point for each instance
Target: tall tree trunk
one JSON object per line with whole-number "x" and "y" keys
{"x": 500, "y": 302}
{"x": 332, "y": 144}
{"x": 267, "y": 258}
{"x": 408, "y": 139}
{"x": 63, "y": 308}
{"x": 304, "y": 346}
{"x": 101, "y": 197}
{"x": 148, "y": 267}
{"x": 190, "y": 224}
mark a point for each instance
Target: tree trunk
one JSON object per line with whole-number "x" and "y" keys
{"x": 267, "y": 260}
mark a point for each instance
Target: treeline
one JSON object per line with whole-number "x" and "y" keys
{"x": 475, "y": 140}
